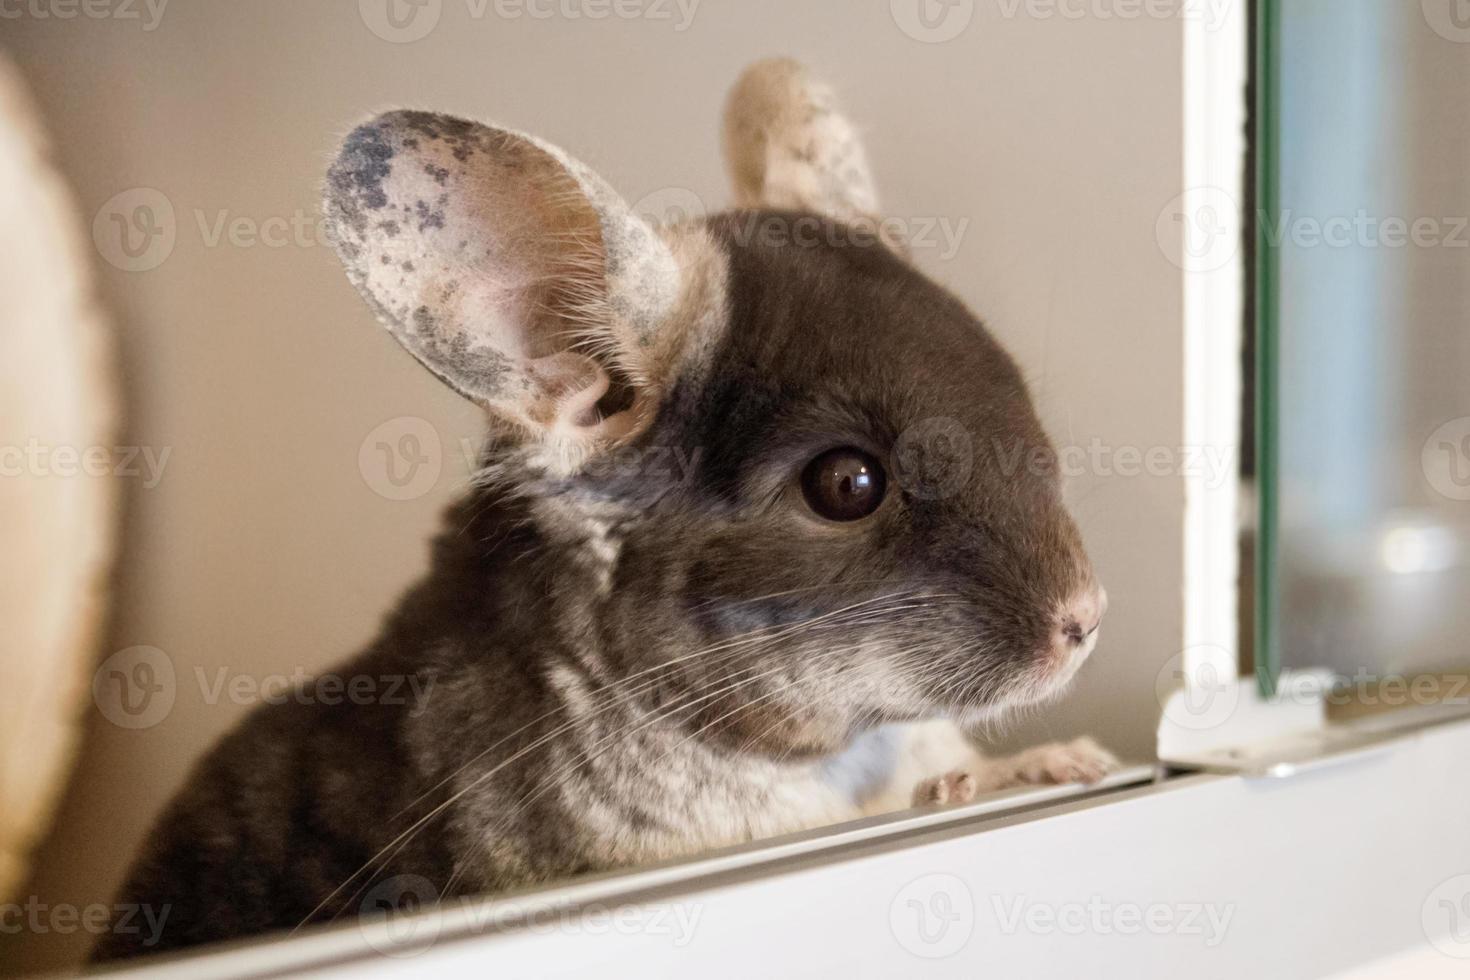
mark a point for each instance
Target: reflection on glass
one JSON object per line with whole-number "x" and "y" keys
{"x": 1374, "y": 288}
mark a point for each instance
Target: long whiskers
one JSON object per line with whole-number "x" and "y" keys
{"x": 608, "y": 742}
{"x": 613, "y": 697}
{"x": 858, "y": 614}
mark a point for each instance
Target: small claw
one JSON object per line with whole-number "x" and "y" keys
{"x": 952, "y": 787}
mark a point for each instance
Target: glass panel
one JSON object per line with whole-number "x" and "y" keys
{"x": 1364, "y": 281}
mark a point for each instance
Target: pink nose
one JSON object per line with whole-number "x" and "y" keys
{"x": 1079, "y": 619}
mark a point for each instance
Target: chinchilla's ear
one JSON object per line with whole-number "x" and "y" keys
{"x": 788, "y": 146}
{"x": 511, "y": 271}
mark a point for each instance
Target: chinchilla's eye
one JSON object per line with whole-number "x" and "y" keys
{"x": 844, "y": 484}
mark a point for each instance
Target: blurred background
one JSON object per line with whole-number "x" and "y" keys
{"x": 289, "y": 461}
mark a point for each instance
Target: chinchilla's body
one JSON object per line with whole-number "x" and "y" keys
{"x": 761, "y": 497}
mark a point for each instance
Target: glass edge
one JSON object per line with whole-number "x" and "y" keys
{"x": 1267, "y": 271}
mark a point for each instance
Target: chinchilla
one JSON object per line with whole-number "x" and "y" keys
{"x": 624, "y": 660}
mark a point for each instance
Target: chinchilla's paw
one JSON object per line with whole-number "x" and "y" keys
{"x": 952, "y": 787}
{"x": 1081, "y": 760}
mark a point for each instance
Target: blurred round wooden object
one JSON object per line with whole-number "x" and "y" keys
{"x": 57, "y": 522}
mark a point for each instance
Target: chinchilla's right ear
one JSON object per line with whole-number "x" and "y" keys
{"x": 788, "y": 145}
{"x": 512, "y": 272}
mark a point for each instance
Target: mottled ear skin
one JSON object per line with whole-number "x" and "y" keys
{"x": 610, "y": 665}
{"x": 509, "y": 270}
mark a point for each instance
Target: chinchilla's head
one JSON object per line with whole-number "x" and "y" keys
{"x": 789, "y": 476}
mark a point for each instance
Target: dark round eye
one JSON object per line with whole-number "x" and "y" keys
{"x": 843, "y": 484}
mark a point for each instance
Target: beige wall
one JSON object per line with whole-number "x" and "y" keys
{"x": 264, "y": 549}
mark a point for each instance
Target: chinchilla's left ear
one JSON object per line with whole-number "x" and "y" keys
{"x": 513, "y": 273}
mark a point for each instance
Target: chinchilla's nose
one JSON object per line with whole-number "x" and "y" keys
{"x": 1078, "y": 620}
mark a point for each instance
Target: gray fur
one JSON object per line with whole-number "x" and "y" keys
{"x": 625, "y": 664}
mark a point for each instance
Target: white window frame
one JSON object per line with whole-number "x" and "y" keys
{"x": 1216, "y": 70}
{"x": 1333, "y": 867}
